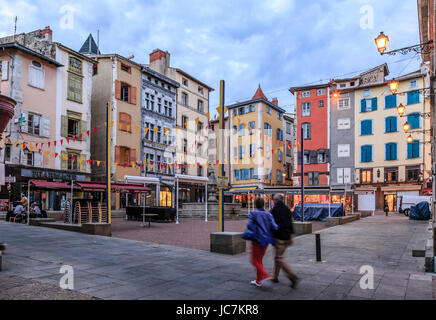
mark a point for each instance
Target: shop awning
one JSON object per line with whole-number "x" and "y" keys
{"x": 241, "y": 190}
{"x": 427, "y": 192}
{"x": 42, "y": 184}
{"x": 117, "y": 187}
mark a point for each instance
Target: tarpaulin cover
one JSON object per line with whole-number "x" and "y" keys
{"x": 318, "y": 211}
{"x": 420, "y": 211}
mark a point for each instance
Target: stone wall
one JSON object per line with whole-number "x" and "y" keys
{"x": 232, "y": 211}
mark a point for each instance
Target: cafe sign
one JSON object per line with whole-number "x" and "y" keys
{"x": 51, "y": 175}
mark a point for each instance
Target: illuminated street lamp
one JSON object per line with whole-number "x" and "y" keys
{"x": 410, "y": 138}
{"x": 406, "y": 126}
{"x": 381, "y": 42}
{"x": 393, "y": 86}
{"x": 401, "y": 109}
{"x": 335, "y": 94}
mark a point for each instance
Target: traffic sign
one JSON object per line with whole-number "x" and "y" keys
{"x": 10, "y": 179}
{"x": 223, "y": 182}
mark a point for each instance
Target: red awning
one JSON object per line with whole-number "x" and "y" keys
{"x": 50, "y": 185}
{"x": 427, "y": 192}
{"x": 120, "y": 187}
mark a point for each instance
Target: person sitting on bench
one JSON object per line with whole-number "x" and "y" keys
{"x": 18, "y": 212}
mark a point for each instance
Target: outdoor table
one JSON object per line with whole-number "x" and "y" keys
{"x": 150, "y": 215}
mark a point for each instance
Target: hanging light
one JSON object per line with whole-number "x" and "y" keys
{"x": 335, "y": 94}
{"x": 401, "y": 109}
{"x": 410, "y": 138}
{"x": 393, "y": 85}
{"x": 406, "y": 126}
{"x": 381, "y": 42}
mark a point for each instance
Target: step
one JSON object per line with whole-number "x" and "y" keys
{"x": 2, "y": 215}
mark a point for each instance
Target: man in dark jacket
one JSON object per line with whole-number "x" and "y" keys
{"x": 283, "y": 218}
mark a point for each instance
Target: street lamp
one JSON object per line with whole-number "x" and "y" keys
{"x": 406, "y": 126}
{"x": 393, "y": 85}
{"x": 410, "y": 138}
{"x": 401, "y": 109}
{"x": 381, "y": 42}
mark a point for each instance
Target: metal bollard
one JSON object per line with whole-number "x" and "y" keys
{"x": 318, "y": 247}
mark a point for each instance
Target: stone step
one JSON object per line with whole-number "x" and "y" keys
{"x": 2, "y": 215}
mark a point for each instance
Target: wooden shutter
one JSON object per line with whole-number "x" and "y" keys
{"x": 132, "y": 155}
{"x": 45, "y": 126}
{"x": 118, "y": 89}
{"x": 5, "y": 70}
{"x": 132, "y": 95}
{"x": 37, "y": 160}
{"x": 64, "y": 162}
{"x": 64, "y": 126}
{"x": 83, "y": 127}
{"x": 374, "y": 104}
{"x": 117, "y": 154}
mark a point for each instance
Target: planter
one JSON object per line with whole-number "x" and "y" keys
{"x": 7, "y": 106}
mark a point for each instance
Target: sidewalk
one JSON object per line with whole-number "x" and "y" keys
{"x": 111, "y": 268}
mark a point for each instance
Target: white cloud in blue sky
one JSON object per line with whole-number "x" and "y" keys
{"x": 277, "y": 43}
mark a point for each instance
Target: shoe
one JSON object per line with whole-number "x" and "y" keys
{"x": 294, "y": 282}
{"x": 255, "y": 283}
{"x": 268, "y": 278}
{"x": 275, "y": 280}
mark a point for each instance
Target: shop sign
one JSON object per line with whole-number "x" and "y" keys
{"x": 51, "y": 175}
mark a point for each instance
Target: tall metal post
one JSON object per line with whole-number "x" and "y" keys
{"x": 108, "y": 161}
{"x": 221, "y": 157}
{"x": 302, "y": 175}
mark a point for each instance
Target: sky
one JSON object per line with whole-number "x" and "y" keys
{"x": 275, "y": 44}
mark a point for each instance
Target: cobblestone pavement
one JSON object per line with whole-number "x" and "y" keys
{"x": 113, "y": 268}
{"x": 190, "y": 233}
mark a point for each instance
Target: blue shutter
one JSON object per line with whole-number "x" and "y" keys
{"x": 415, "y": 150}
{"x": 362, "y": 105}
{"x": 237, "y": 174}
{"x": 413, "y": 120}
{"x": 390, "y": 124}
{"x": 390, "y": 101}
{"x": 387, "y": 151}
{"x": 362, "y": 152}
{"x": 387, "y": 125}
{"x": 394, "y": 151}
{"x": 391, "y": 151}
{"x": 365, "y": 153}
{"x": 413, "y": 97}
{"x": 374, "y": 103}
{"x": 409, "y": 150}
{"x": 370, "y": 153}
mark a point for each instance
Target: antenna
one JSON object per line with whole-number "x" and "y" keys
{"x": 15, "y": 27}
{"x": 98, "y": 40}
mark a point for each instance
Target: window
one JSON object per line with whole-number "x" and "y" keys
{"x": 279, "y": 134}
{"x": 342, "y": 85}
{"x": 391, "y": 101}
{"x": 36, "y": 75}
{"x": 75, "y": 65}
{"x": 7, "y": 155}
{"x": 159, "y": 105}
{"x": 73, "y": 127}
{"x": 368, "y": 105}
{"x": 413, "y": 84}
{"x": 158, "y": 134}
{"x": 366, "y": 175}
{"x": 391, "y": 124}
{"x": 306, "y": 130}
{"x": 200, "y": 105}
{"x": 252, "y": 150}
{"x": 322, "y": 156}
{"x": 319, "y": 92}
{"x": 344, "y": 124}
{"x": 288, "y": 127}
{"x": 365, "y": 127}
{"x": 413, "y": 97}
{"x": 391, "y": 174}
{"x": 251, "y": 127}
{"x": 366, "y": 92}
{"x": 184, "y": 122}
{"x": 343, "y": 150}
{"x": 288, "y": 149}
{"x": 412, "y": 173}
{"x": 268, "y": 109}
{"x": 343, "y": 175}
{"x": 28, "y": 157}
{"x": 72, "y": 162}
{"x": 200, "y": 171}
{"x": 306, "y": 157}
{"x": 241, "y": 130}
{"x": 279, "y": 116}
{"x": 251, "y": 108}
{"x": 352, "y": 84}
{"x": 241, "y": 152}
{"x": 126, "y": 68}
{"x": 268, "y": 174}
{"x": 279, "y": 155}
{"x": 313, "y": 178}
{"x": 321, "y": 103}
{"x": 344, "y": 104}
{"x": 366, "y": 153}
{"x": 305, "y": 94}
{"x": 391, "y": 151}
{"x": 413, "y": 120}
{"x": 237, "y": 175}
{"x": 94, "y": 69}
{"x": 199, "y": 126}
{"x": 253, "y": 173}
{"x": 267, "y": 129}
{"x": 184, "y": 99}
{"x": 200, "y": 90}
{"x": 279, "y": 175}
{"x": 33, "y": 124}
{"x": 235, "y": 151}
{"x": 185, "y": 147}
{"x": 235, "y": 129}
{"x": 74, "y": 88}
{"x": 185, "y": 82}
{"x": 305, "y": 109}
{"x": 268, "y": 151}
{"x": 125, "y": 90}
{"x": 413, "y": 149}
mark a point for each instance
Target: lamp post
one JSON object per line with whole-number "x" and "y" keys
{"x": 382, "y": 43}
{"x": 401, "y": 109}
{"x": 393, "y": 85}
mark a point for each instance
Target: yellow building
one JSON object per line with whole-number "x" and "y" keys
{"x": 387, "y": 166}
{"x": 256, "y": 143}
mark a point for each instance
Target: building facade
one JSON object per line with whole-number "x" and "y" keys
{"x": 290, "y": 132}
{"x": 213, "y": 154}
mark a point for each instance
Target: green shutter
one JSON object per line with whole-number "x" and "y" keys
{"x": 64, "y": 126}
{"x": 82, "y": 129}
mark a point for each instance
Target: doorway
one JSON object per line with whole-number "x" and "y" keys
{"x": 391, "y": 199}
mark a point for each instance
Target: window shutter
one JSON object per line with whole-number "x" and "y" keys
{"x": 363, "y": 105}
{"x": 132, "y": 155}
{"x": 387, "y": 151}
{"x": 394, "y": 124}
{"x": 413, "y": 120}
{"x": 64, "y": 162}
{"x": 347, "y": 175}
{"x": 416, "y": 148}
{"x": 394, "y": 151}
{"x": 37, "y": 159}
{"x": 370, "y": 153}
{"x": 340, "y": 175}
{"x": 374, "y": 104}
{"x": 413, "y": 97}
{"x": 118, "y": 89}
{"x": 82, "y": 165}
{"x": 409, "y": 150}
{"x": 45, "y": 126}
{"x": 64, "y": 126}
{"x": 5, "y": 70}
{"x": 132, "y": 95}
{"x": 23, "y": 158}
{"x": 117, "y": 154}
{"x": 25, "y": 116}
{"x": 83, "y": 127}
{"x": 390, "y": 101}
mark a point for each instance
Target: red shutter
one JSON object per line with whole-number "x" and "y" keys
{"x": 132, "y": 95}
{"x": 118, "y": 89}
{"x": 117, "y": 154}
{"x": 132, "y": 156}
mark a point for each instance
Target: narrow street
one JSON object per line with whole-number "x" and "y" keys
{"x": 113, "y": 268}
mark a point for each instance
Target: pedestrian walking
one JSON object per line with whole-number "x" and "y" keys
{"x": 259, "y": 230}
{"x": 283, "y": 239}
{"x": 386, "y": 208}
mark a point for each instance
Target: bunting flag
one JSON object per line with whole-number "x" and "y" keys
{"x": 165, "y": 131}
{"x": 145, "y": 131}
{"x": 155, "y": 130}
{"x": 128, "y": 127}
{"x": 137, "y": 129}
{"x": 208, "y": 115}
{"x": 197, "y": 120}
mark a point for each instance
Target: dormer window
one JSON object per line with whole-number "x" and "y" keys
{"x": 126, "y": 68}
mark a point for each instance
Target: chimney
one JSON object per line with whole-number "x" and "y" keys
{"x": 275, "y": 101}
{"x": 159, "y": 60}
{"x": 47, "y": 33}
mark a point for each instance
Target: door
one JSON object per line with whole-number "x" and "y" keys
{"x": 366, "y": 202}
{"x": 391, "y": 199}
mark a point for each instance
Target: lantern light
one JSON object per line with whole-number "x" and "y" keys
{"x": 335, "y": 94}
{"x": 381, "y": 42}
{"x": 406, "y": 126}
{"x": 401, "y": 109}
{"x": 410, "y": 138}
{"x": 393, "y": 86}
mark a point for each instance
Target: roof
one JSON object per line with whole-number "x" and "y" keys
{"x": 89, "y": 46}
{"x": 312, "y": 86}
{"x": 147, "y": 69}
{"x": 17, "y": 46}
{"x": 195, "y": 79}
{"x": 75, "y": 52}
{"x": 114, "y": 55}
{"x": 259, "y": 96}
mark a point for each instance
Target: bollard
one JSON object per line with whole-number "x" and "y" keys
{"x": 318, "y": 247}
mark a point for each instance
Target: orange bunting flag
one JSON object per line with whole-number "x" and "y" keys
{"x": 80, "y": 160}
{"x": 98, "y": 163}
{"x": 137, "y": 129}
{"x": 65, "y": 157}
{"x": 218, "y": 110}
{"x": 47, "y": 152}
{"x": 145, "y": 131}
{"x": 112, "y": 123}
{"x": 208, "y": 116}
{"x": 165, "y": 131}
{"x": 128, "y": 127}
{"x": 155, "y": 130}
{"x": 197, "y": 120}
{"x": 116, "y": 164}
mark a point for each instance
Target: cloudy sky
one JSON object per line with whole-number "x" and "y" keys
{"x": 274, "y": 43}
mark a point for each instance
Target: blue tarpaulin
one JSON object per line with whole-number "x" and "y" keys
{"x": 420, "y": 211}
{"x": 318, "y": 211}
